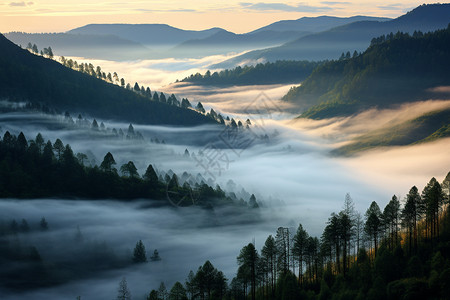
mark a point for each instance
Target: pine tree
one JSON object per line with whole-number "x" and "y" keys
{"x": 177, "y": 292}
{"x": 107, "y": 163}
{"x": 123, "y": 293}
{"x": 139, "y": 255}
{"x": 299, "y": 249}
{"x": 155, "y": 256}
{"x": 150, "y": 174}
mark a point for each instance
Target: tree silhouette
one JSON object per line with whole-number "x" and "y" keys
{"x": 58, "y": 146}
{"x": 139, "y": 255}
{"x": 123, "y": 293}
{"x": 155, "y": 256}
{"x": 107, "y": 163}
{"x": 248, "y": 259}
{"x": 129, "y": 169}
{"x": 177, "y": 292}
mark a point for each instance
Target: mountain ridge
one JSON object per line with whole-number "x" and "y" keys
{"x": 350, "y": 37}
{"x": 396, "y": 69}
{"x": 25, "y": 77}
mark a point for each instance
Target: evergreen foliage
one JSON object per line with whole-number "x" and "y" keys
{"x": 283, "y": 71}
{"x": 398, "y": 69}
{"x": 31, "y": 78}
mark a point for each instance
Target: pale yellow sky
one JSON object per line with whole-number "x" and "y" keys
{"x": 237, "y": 16}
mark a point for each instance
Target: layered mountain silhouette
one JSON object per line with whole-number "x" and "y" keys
{"x": 331, "y": 43}
{"x": 147, "y": 41}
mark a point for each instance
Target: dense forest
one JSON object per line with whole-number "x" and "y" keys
{"x": 285, "y": 71}
{"x": 400, "y": 252}
{"x": 395, "y": 69}
{"x": 25, "y": 77}
{"x": 38, "y": 169}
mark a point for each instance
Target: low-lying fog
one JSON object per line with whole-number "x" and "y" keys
{"x": 290, "y": 172}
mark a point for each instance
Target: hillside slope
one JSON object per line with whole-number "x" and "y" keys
{"x": 314, "y": 24}
{"x": 426, "y": 128}
{"x": 396, "y": 69}
{"x": 27, "y": 77}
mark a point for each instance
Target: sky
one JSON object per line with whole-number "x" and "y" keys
{"x": 232, "y": 15}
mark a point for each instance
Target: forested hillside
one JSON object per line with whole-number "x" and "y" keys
{"x": 26, "y": 77}
{"x": 267, "y": 73}
{"x": 395, "y": 69}
{"x": 401, "y": 251}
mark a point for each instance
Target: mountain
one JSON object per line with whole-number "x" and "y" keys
{"x": 354, "y": 36}
{"x": 224, "y": 42}
{"x": 151, "y": 35}
{"x": 272, "y": 35}
{"x": 113, "y": 41}
{"x": 314, "y": 24}
{"x": 28, "y": 77}
{"x": 90, "y": 46}
{"x": 396, "y": 69}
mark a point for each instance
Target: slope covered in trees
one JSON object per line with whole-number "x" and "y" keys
{"x": 397, "y": 68}
{"x": 29, "y": 78}
{"x": 398, "y": 252}
{"x": 267, "y": 73}
{"x": 37, "y": 169}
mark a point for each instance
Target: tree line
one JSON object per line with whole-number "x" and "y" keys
{"x": 396, "y": 68}
{"x": 48, "y": 52}
{"x": 282, "y": 71}
{"x": 36, "y": 169}
{"x": 400, "y": 252}
{"x": 25, "y": 77}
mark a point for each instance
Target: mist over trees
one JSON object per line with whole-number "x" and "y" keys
{"x": 400, "y": 252}
{"x": 35, "y": 169}
{"x": 29, "y": 78}
{"x": 283, "y": 71}
{"x": 396, "y": 68}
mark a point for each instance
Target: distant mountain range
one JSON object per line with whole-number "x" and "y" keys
{"x": 149, "y": 35}
{"x": 331, "y": 43}
{"x": 146, "y": 41}
{"x": 314, "y": 24}
{"x": 25, "y": 77}
{"x": 109, "y": 47}
{"x": 274, "y": 34}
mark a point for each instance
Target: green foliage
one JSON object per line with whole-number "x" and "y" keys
{"x": 27, "y": 77}
{"x": 325, "y": 292}
{"x": 282, "y": 71}
{"x": 27, "y": 173}
{"x": 177, "y": 292}
{"x": 288, "y": 287}
{"x": 398, "y": 70}
{"x": 393, "y": 273}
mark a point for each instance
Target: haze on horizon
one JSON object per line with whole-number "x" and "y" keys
{"x": 57, "y": 16}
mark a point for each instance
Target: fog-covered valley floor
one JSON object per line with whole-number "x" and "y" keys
{"x": 291, "y": 173}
